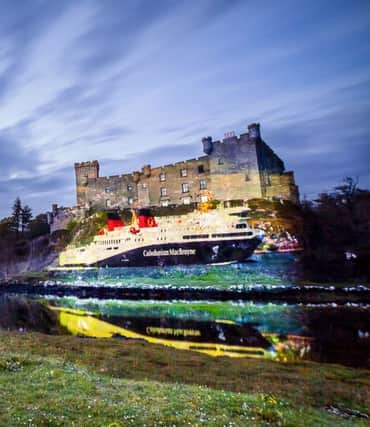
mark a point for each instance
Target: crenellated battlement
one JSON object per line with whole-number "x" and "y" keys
{"x": 234, "y": 168}
{"x": 87, "y": 164}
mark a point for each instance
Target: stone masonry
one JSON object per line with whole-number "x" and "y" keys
{"x": 232, "y": 170}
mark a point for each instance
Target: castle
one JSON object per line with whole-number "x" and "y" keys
{"x": 231, "y": 171}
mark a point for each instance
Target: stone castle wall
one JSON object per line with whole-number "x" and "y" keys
{"x": 236, "y": 168}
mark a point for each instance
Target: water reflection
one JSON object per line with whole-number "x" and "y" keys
{"x": 324, "y": 333}
{"x": 281, "y": 332}
{"x": 217, "y": 338}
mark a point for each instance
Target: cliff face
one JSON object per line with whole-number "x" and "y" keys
{"x": 20, "y": 256}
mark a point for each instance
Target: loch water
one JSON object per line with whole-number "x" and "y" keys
{"x": 323, "y": 332}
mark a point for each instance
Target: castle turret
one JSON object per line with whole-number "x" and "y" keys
{"x": 254, "y": 131}
{"x": 136, "y": 176}
{"x": 146, "y": 170}
{"x": 207, "y": 145}
{"x": 85, "y": 171}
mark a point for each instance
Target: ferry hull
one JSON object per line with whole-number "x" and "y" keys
{"x": 211, "y": 252}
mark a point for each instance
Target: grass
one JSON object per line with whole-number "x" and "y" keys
{"x": 62, "y": 380}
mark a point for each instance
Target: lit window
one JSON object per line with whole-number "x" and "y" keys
{"x": 164, "y": 203}
{"x": 183, "y": 173}
{"x": 201, "y": 169}
{"x": 163, "y": 191}
{"x": 203, "y": 199}
{"x": 202, "y": 184}
{"x": 130, "y": 200}
{"x": 186, "y": 200}
{"x": 162, "y": 176}
{"x": 185, "y": 187}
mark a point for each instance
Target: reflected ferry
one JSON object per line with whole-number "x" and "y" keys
{"x": 212, "y": 237}
{"x": 214, "y": 338}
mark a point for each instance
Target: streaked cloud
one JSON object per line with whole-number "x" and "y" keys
{"x": 126, "y": 82}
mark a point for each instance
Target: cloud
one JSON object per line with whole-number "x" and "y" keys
{"x": 139, "y": 82}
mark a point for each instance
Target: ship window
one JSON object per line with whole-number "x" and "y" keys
{"x": 185, "y": 187}
{"x": 240, "y": 234}
{"x": 162, "y": 176}
{"x": 241, "y": 226}
{"x": 201, "y": 169}
{"x": 183, "y": 173}
{"x": 116, "y": 247}
{"x": 108, "y": 249}
{"x": 195, "y": 236}
{"x": 202, "y": 184}
{"x": 163, "y": 191}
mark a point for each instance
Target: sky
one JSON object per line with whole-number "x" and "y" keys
{"x": 142, "y": 81}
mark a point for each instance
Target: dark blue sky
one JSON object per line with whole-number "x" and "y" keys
{"x": 134, "y": 82}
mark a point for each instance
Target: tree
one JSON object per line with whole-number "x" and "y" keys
{"x": 335, "y": 224}
{"x": 347, "y": 191}
{"x": 26, "y": 216}
{"x": 38, "y": 226}
{"x": 6, "y": 225}
{"x": 17, "y": 214}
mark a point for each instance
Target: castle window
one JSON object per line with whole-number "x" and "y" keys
{"x": 108, "y": 203}
{"x": 163, "y": 191}
{"x": 201, "y": 169}
{"x": 107, "y": 189}
{"x": 185, "y": 187}
{"x": 186, "y": 200}
{"x": 247, "y": 177}
{"x": 202, "y": 184}
{"x": 130, "y": 200}
{"x": 129, "y": 187}
{"x": 183, "y": 173}
{"x": 162, "y": 176}
{"x": 220, "y": 162}
{"x": 164, "y": 203}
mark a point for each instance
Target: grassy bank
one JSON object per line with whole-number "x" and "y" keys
{"x": 60, "y": 380}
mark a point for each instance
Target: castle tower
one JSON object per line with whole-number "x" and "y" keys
{"x": 254, "y": 131}
{"x": 207, "y": 145}
{"x": 84, "y": 172}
